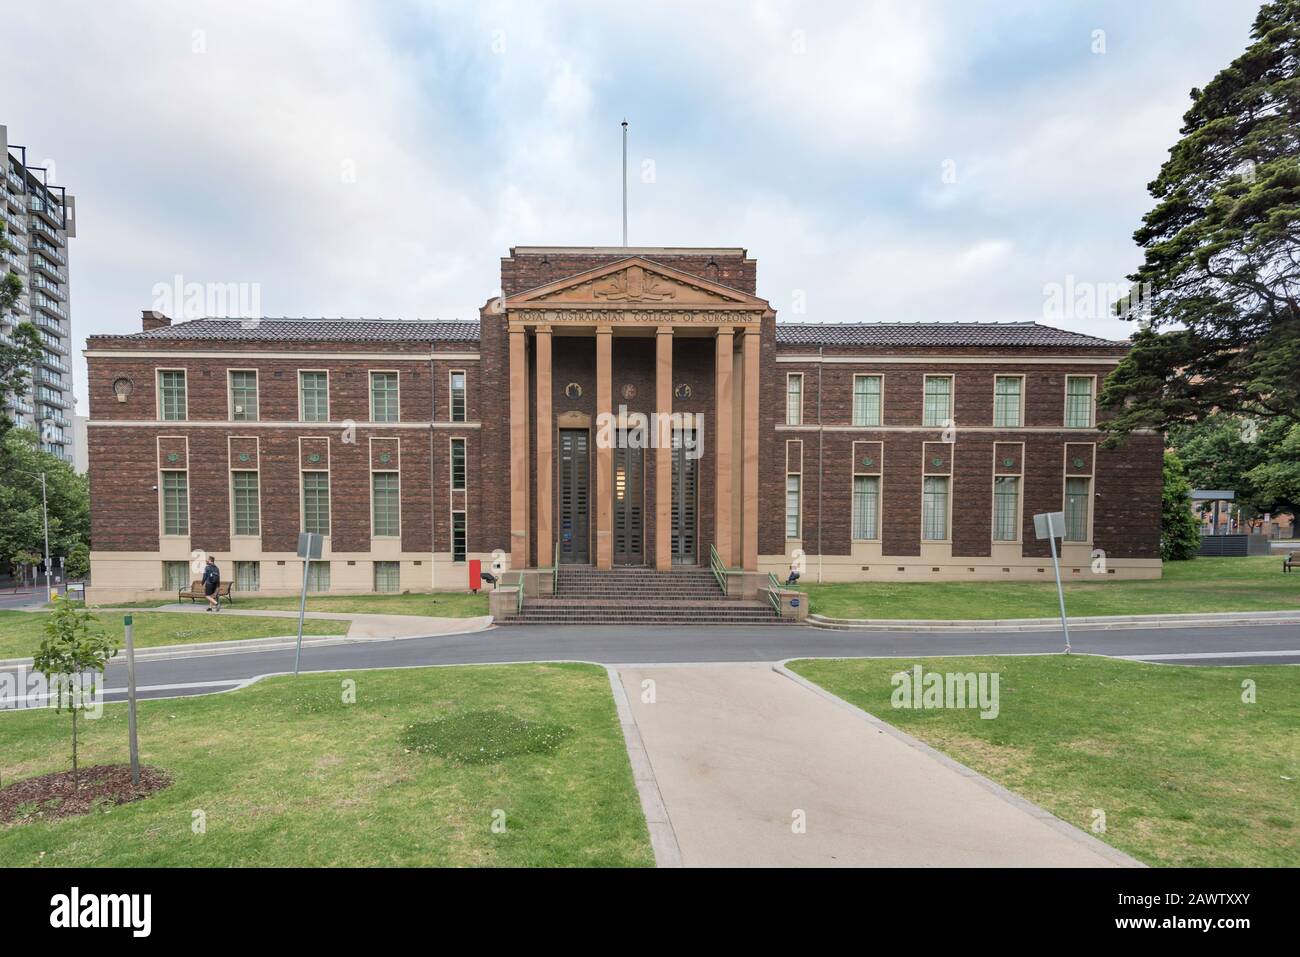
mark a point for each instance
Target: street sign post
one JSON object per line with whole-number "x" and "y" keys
{"x": 309, "y": 547}
{"x": 130, "y": 701}
{"x": 1051, "y": 525}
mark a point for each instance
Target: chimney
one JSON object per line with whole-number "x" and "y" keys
{"x": 153, "y": 319}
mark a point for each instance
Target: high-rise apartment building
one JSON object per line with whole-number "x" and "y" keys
{"x": 39, "y": 219}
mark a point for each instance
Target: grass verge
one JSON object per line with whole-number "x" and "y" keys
{"x": 434, "y": 605}
{"x": 1200, "y": 585}
{"x": 1186, "y": 773}
{"x": 21, "y": 631}
{"x": 284, "y": 773}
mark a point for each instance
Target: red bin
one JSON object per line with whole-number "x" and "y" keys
{"x": 475, "y": 573}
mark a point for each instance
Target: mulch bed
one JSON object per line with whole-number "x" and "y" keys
{"x": 52, "y": 796}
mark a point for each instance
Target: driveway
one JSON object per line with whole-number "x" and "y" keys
{"x": 741, "y": 752}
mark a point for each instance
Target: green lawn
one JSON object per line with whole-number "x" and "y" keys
{"x": 1204, "y": 584}
{"x": 437, "y": 605}
{"x": 287, "y": 774}
{"x": 1186, "y": 773}
{"x": 21, "y": 631}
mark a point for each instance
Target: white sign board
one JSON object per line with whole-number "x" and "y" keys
{"x": 1049, "y": 524}
{"x": 309, "y": 545}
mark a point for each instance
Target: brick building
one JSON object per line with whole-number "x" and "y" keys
{"x": 615, "y": 406}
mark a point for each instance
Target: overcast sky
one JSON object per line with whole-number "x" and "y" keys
{"x": 895, "y": 161}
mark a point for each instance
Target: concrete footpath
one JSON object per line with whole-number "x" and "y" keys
{"x": 741, "y": 752}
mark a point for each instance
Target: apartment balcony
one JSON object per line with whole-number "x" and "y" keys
{"x": 49, "y": 250}
{"x": 51, "y": 379}
{"x": 52, "y": 289}
{"x": 16, "y": 262}
{"x": 20, "y": 405}
{"x": 53, "y": 343}
{"x": 38, "y": 227}
{"x": 19, "y": 245}
{"x": 47, "y": 268}
{"x": 50, "y": 397}
{"x": 50, "y": 414}
{"x": 41, "y": 320}
{"x": 49, "y": 305}
{"x": 55, "y": 363}
{"x": 52, "y": 211}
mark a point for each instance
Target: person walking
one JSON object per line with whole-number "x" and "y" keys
{"x": 211, "y": 582}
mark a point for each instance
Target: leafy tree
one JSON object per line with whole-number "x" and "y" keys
{"x": 11, "y": 287}
{"x": 1180, "y": 532}
{"x": 1278, "y": 477}
{"x": 1219, "y": 288}
{"x": 1227, "y": 452}
{"x": 67, "y": 493}
{"x": 20, "y": 348}
{"x": 72, "y": 654}
{"x": 77, "y": 566}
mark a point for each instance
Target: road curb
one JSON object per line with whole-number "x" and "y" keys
{"x": 270, "y": 643}
{"x": 1087, "y": 623}
{"x": 1114, "y": 855}
{"x": 663, "y": 839}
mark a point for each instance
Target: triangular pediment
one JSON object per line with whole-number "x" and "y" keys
{"x": 638, "y": 282}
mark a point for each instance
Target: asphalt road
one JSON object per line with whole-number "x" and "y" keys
{"x": 1252, "y": 645}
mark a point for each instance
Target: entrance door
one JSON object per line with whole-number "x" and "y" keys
{"x": 629, "y": 501}
{"x": 685, "y": 485}
{"x": 574, "y": 535}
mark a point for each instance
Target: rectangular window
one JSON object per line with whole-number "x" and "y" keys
{"x": 247, "y": 513}
{"x": 866, "y": 400}
{"x": 314, "y": 396}
{"x": 457, "y": 465}
{"x": 316, "y": 502}
{"x": 457, "y": 536}
{"x": 866, "y": 506}
{"x": 1006, "y": 508}
{"x": 171, "y": 392}
{"x": 938, "y": 400}
{"x": 383, "y": 397}
{"x": 176, "y": 576}
{"x": 794, "y": 399}
{"x": 384, "y": 503}
{"x": 318, "y": 576}
{"x": 388, "y": 576}
{"x": 458, "y": 397}
{"x": 248, "y": 576}
{"x": 934, "y": 509}
{"x": 243, "y": 396}
{"x": 1078, "y": 402}
{"x": 176, "y": 503}
{"x": 1006, "y": 402}
{"x": 1078, "y": 497}
{"x": 792, "y": 483}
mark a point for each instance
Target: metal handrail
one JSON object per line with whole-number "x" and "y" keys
{"x": 774, "y": 593}
{"x": 719, "y": 569}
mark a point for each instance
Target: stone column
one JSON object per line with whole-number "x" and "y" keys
{"x": 663, "y": 448}
{"x": 750, "y": 465}
{"x": 545, "y": 467}
{"x": 518, "y": 448}
{"x": 722, "y": 443}
{"x": 604, "y": 451}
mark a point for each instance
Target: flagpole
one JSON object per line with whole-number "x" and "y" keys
{"x": 625, "y": 182}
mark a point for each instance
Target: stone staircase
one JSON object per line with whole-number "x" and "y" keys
{"x": 640, "y": 596}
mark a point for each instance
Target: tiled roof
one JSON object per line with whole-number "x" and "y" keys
{"x": 314, "y": 330}
{"x": 931, "y": 334}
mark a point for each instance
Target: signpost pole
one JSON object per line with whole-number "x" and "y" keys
{"x": 302, "y": 613}
{"x": 130, "y": 701}
{"x": 1060, "y": 592}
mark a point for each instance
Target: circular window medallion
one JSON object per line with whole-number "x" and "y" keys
{"x": 1077, "y": 463}
{"x": 122, "y": 388}
{"x": 936, "y": 461}
{"x": 573, "y": 390}
{"x": 385, "y": 457}
{"x": 314, "y": 457}
{"x": 172, "y": 457}
{"x": 628, "y": 392}
{"x": 683, "y": 391}
{"x": 243, "y": 456}
{"x": 1008, "y": 463}
{"x": 868, "y": 461}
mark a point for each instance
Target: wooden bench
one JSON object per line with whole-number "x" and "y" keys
{"x": 195, "y": 592}
{"x": 1288, "y": 563}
